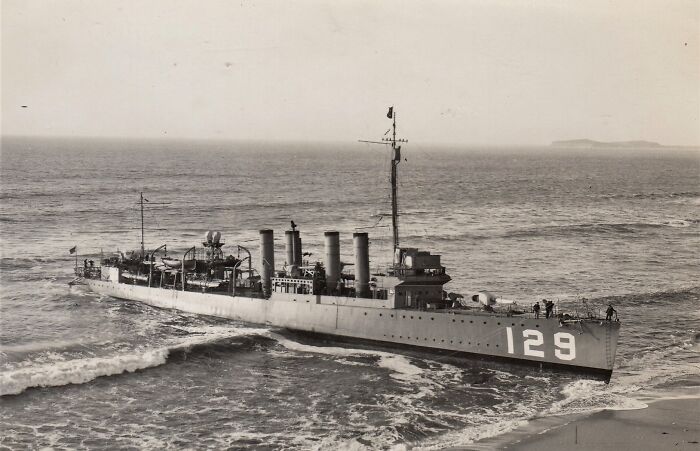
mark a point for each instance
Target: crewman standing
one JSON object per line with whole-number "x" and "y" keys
{"x": 609, "y": 313}
{"x": 536, "y": 308}
{"x": 548, "y": 308}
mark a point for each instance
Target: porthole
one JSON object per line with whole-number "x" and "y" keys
{"x": 499, "y": 323}
{"x": 411, "y": 317}
{"x": 522, "y": 325}
{"x": 487, "y": 345}
{"x": 512, "y": 324}
{"x": 380, "y": 314}
{"x": 484, "y": 322}
{"x": 432, "y": 319}
{"x": 392, "y": 315}
{"x": 537, "y": 325}
{"x": 471, "y": 322}
{"x": 404, "y": 317}
{"x": 462, "y": 320}
{"x": 453, "y": 320}
{"x": 420, "y": 317}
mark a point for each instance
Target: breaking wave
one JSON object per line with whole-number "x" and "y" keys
{"x": 687, "y": 294}
{"x": 626, "y": 229}
{"x": 79, "y": 371}
{"x": 598, "y": 228}
{"x": 673, "y": 195}
{"x": 400, "y": 366}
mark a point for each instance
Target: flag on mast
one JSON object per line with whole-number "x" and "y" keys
{"x": 390, "y": 114}
{"x": 72, "y": 249}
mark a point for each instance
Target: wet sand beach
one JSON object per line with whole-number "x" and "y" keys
{"x": 664, "y": 425}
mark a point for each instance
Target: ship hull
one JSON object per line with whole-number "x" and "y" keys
{"x": 595, "y": 373}
{"x": 586, "y": 346}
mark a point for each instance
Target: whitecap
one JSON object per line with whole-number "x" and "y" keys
{"x": 77, "y": 371}
{"x": 58, "y": 371}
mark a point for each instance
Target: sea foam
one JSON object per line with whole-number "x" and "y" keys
{"x": 79, "y": 371}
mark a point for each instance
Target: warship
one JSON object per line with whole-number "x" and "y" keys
{"x": 403, "y": 305}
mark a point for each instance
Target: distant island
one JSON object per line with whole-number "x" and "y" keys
{"x": 589, "y": 143}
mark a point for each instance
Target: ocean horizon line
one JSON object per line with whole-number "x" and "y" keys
{"x": 320, "y": 142}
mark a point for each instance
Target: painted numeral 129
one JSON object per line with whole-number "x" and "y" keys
{"x": 564, "y": 342}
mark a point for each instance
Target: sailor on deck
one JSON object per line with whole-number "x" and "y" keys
{"x": 536, "y": 308}
{"x": 548, "y": 308}
{"x": 609, "y": 313}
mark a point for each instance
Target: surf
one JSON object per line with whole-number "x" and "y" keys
{"x": 59, "y": 372}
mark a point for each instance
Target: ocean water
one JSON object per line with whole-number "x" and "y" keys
{"x": 79, "y": 370}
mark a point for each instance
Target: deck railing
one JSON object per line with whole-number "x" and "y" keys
{"x": 89, "y": 272}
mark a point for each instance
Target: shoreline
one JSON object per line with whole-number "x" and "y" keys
{"x": 669, "y": 423}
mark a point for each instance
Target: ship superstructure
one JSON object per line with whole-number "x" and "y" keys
{"x": 405, "y": 304}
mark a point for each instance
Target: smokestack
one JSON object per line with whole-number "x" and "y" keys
{"x": 297, "y": 248}
{"x": 361, "y": 244}
{"x": 289, "y": 247}
{"x": 332, "y": 260}
{"x": 267, "y": 258}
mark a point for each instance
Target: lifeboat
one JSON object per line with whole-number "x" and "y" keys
{"x": 132, "y": 276}
{"x": 173, "y": 263}
{"x": 214, "y": 283}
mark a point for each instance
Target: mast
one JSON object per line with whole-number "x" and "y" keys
{"x": 141, "y": 203}
{"x": 395, "y": 160}
{"x": 143, "y": 252}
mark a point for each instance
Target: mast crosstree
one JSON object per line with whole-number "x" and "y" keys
{"x": 395, "y": 160}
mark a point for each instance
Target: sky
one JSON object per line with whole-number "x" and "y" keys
{"x": 479, "y": 72}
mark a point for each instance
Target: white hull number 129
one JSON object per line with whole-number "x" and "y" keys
{"x": 565, "y": 344}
